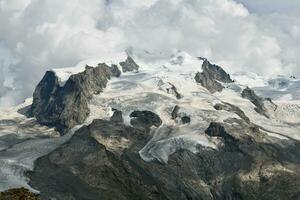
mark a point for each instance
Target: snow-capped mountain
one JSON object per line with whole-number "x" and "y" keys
{"x": 127, "y": 127}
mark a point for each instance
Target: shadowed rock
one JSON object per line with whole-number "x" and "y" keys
{"x": 185, "y": 119}
{"x": 211, "y": 77}
{"x": 83, "y": 168}
{"x": 232, "y": 108}
{"x": 89, "y": 167}
{"x": 256, "y": 100}
{"x": 117, "y": 116}
{"x": 218, "y": 130}
{"x": 173, "y": 90}
{"x": 144, "y": 119}
{"x": 272, "y": 103}
{"x": 64, "y": 107}
{"x": 175, "y": 111}
{"x": 114, "y": 71}
{"x": 129, "y": 65}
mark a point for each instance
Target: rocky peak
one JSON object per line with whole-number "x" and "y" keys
{"x": 216, "y": 72}
{"x": 212, "y": 77}
{"x": 66, "y": 106}
{"x": 129, "y": 65}
{"x": 256, "y": 100}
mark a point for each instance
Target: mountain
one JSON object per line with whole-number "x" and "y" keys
{"x": 134, "y": 128}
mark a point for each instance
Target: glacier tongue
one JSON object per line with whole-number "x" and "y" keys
{"x": 167, "y": 141}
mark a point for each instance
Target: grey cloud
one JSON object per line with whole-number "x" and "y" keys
{"x": 271, "y": 6}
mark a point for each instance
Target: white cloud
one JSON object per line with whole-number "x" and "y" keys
{"x": 42, "y": 34}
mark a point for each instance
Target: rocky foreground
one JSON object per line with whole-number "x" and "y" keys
{"x": 18, "y": 194}
{"x": 102, "y": 161}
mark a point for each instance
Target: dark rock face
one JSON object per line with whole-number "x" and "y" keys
{"x": 185, "y": 119}
{"x": 145, "y": 119}
{"x": 216, "y": 72}
{"x": 117, "y": 116}
{"x": 175, "y": 111}
{"x": 211, "y": 77}
{"x": 129, "y": 65}
{"x": 272, "y": 103}
{"x": 84, "y": 169}
{"x": 232, "y": 108}
{"x": 114, "y": 71}
{"x": 64, "y": 107}
{"x": 256, "y": 100}
{"x": 174, "y": 90}
{"x": 88, "y": 167}
{"x": 217, "y": 130}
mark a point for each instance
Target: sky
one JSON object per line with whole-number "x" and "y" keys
{"x": 260, "y": 36}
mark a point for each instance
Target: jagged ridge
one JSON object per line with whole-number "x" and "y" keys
{"x": 67, "y": 106}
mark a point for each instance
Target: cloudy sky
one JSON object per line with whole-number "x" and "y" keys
{"x": 260, "y": 36}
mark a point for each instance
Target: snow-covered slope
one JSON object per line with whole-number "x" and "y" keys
{"x": 277, "y": 88}
{"x": 159, "y": 86}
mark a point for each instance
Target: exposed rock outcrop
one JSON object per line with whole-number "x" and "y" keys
{"x": 129, "y": 65}
{"x": 83, "y": 168}
{"x": 174, "y": 90}
{"x": 218, "y": 130}
{"x": 260, "y": 108}
{"x": 212, "y": 77}
{"x": 175, "y": 111}
{"x": 274, "y": 106}
{"x": 115, "y": 71}
{"x": 232, "y": 108}
{"x": 185, "y": 119}
{"x": 145, "y": 119}
{"x": 64, "y": 107}
{"x": 117, "y": 116}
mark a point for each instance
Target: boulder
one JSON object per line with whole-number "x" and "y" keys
{"x": 185, "y": 119}
{"x": 117, "y": 116}
{"x": 145, "y": 119}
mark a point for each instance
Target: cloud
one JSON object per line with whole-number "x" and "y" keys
{"x": 43, "y": 34}
{"x": 280, "y": 19}
{"x": 272, "y": 6}
{"x": 6, "y": 81}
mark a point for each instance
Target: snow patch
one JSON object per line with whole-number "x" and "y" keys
{"x": 64, "y": 74}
